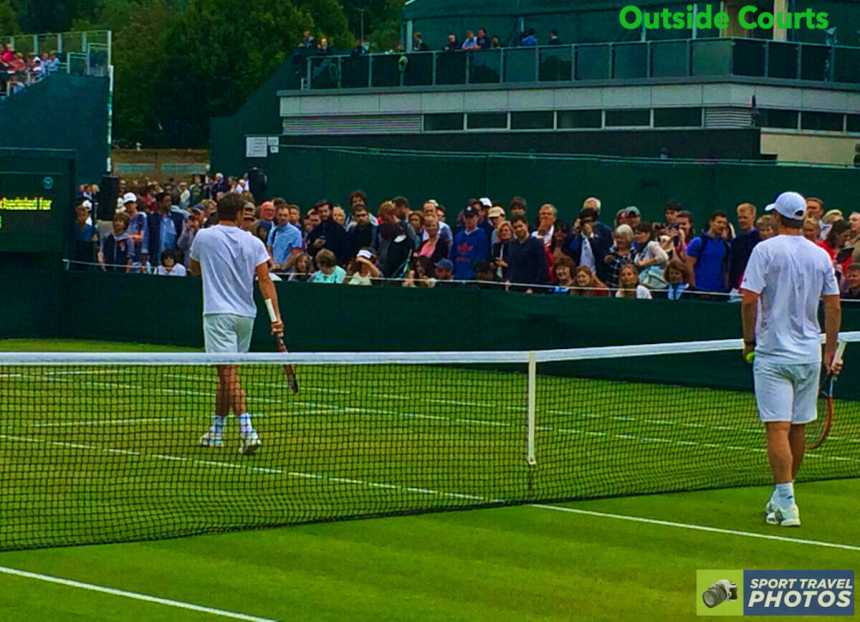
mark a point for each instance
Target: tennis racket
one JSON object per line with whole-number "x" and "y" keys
{"x": 818, "y": 430}
{"x": 289, "y": 370}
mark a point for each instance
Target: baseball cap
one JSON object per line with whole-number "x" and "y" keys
{"x": 470, "y": 211}
{"x": 129, "y": 197}
{"x": 788, "y": 204}
{"x": 87, "y": 205}
{"x": 632, "y": 209}
{"x": 485, "y": 201}
{"x": 445, "y": 264}
{"x": 496, "y": 212}
{"x": 365, "y": 254}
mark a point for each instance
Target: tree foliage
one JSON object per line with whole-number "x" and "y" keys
{"x": 8, "y": 19}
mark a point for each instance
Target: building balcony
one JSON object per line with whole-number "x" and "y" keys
{"x": 681, "y": 60}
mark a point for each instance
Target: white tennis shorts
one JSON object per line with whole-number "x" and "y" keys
{"x": 786, "y": 392}
{"x": 225, "y": 333}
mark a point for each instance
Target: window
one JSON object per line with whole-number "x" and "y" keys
{"x": 487, "y": 121}
{"x": 443, "y": 122}
{"x": 677, "y": 117}
{"x": 854, "y": 122}
{"x": 569, "y": 119}
{"x": 824, "y": 121}
{"x": 770, "y": 117}
{"x": 542, "y": 120}
{"x": 636, "y": 117}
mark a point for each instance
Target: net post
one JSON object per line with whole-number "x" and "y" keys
{"x": 531, "y": 410}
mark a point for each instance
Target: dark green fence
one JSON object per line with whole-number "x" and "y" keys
{"x": 305, "y": 174}
{"x": 160, "y": 310}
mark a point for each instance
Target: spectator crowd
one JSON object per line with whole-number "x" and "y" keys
{"x": 487, "y": 244}
{"x": 18, "y": 71}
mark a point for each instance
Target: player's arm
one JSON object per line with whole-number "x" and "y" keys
{"x": 749, "y": 313}
{"x": 832, "y": 324}
{"x": 194, "y": 267}
{"x": 268, "y": 291}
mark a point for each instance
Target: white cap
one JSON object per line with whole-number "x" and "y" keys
{"x": 788, "y": 204}
{"x": 129, "y": 197}
{"x": 87, "y": 205}
{"x": 365, "y": 254}
{"x": 485, "y": 201}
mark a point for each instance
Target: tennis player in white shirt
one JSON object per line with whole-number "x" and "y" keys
{"x": 229, "y": 259}
{"x": 784, "y": 281}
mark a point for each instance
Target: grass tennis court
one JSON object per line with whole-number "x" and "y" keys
{"x": 504, "y": 563}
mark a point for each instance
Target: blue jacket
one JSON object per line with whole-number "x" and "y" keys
{"x": 469, "y": 248}
{"x": 153, "y": 223}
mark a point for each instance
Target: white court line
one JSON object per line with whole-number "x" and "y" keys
{"x": 132, "y": 595}
{"x": 72, "y": 424}
{"x": 666, "y": 523}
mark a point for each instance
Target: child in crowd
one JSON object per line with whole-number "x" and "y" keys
{"x": 168, "y": 266}
{"x": 677, "y": 276}
{"x": 362, "y": 269}
{"x": 115, "y": 251}
{"x": 587, "y": 284}
{"x": 329, "y": 272}
{"x": 628, "y": 284}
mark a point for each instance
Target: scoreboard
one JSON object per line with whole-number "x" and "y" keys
{"x": 36, "y": 199}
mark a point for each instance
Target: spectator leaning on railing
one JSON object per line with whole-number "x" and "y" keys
{"x": 471, "y": 244}
{"x": 284, "y": 239}
{"x": 708, "y": 256}
{"x": 115, "y": 250}
{"x": 527, "y": 263}
{"x": 165, "y": 226}
{"x": 488, "y": 251}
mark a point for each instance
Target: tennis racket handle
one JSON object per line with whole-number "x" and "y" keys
{"x": 270, "y": 307}
{"x": 840, "y": 350}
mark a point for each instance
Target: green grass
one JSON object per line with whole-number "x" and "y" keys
{"x": 503, "y": 563}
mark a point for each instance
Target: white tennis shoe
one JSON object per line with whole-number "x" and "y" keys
{"x": 250, "y": 443}
{"x": 784, "y": 517}
{"x": 212, "y": 439}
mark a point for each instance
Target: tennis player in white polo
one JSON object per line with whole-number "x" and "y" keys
{"x": 786, "y": 277}
{"x": 229, "y": 258}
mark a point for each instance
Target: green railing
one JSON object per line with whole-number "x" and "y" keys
{"x": 645, "y": 60}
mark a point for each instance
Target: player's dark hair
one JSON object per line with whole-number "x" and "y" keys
{"x": 519, "y": 218}
{"x": 230, "y": 206}
{"x": 789, "y": 223}
{"x": 718, "y": 214}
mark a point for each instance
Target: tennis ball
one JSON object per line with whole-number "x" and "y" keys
{"x": 749, "y": 357}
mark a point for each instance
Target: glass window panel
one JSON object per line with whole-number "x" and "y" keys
{"x": 487, "y": 120}
{"x": 538, "y": 120}
{"x": 634, "y": 117}
{"x": 677, "y": 117}
{"x": 824, "y": 121}
{"x": 568, "y": 119}
{"x": 445, "y": 122}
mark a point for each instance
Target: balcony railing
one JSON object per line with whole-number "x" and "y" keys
{"x": 96, "y": 43}
{"x": 645, "y": 60}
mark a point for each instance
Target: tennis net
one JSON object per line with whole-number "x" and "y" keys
{"x": 104, "y": 447}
